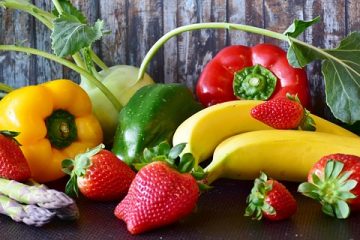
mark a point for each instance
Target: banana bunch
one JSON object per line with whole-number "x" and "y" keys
{"x": 242, "y": 146}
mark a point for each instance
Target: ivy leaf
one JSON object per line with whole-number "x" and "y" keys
{"x": 71, "y": 35}
{"x": 299, "y": 26}
{"x": 341, "y": 71}
{"x": 70, "y": 9}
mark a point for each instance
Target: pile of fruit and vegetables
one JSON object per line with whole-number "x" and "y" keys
{"x": 154, "y": 148}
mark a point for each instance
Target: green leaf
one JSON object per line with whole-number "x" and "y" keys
{"x": 300, "y": 55}
{"x": 67, "y": 166}
{"x": 309, "y": 190}
{"x": 338, "y": 167}
{"x": 344, "y": 176}
{"x": 329, "y": 167}
{"x": 342, "y": 79}
{"x": 70, "y": 9}
{"x": 349, "y": 185}
{"x": 316, "y": 180}
{"x": 342, "y": 210}
{"x": 71, "y": 187}
{"x": 163, "y": 148}
{"x": 346, "y": 195}
{"x": 204, "y": 187}
{"x": 176, "y": 150}
{"x": 138, "y": 166}
{"x": 198, "y": 173}
{"x": 328, "y": 209}
{"x": 299, "y": 26}
{"x": 268, "y": 209}
{"x": 147, "y": 155}
{"x": 341, "y": 71}
{"x": 71, "y": 35}
{"x": 187, "y": 162}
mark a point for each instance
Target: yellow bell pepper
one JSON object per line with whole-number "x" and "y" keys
{"x": 55, "y": 122}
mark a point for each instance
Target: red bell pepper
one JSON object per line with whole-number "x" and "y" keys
{"x": 261, "y": 72}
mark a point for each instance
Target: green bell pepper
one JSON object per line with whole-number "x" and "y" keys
{"x": 151, "y": 116}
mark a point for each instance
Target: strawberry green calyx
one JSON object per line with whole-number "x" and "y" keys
{"x": 183, "y": 164}
{"x": 256, "y": 200}
{"x": 332, "y": 190}
{"x": 77, "y": 168}
{"x": 307, "y": 123}
{"x": 11, "y": 135}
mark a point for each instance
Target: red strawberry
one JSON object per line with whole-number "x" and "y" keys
{"x": 284, "y": 113}
{"x": 333, "y": 182}
{"x": 160, "y": 194}
{"x": 99, "y": 175}
{"x": 13, "y": 164}
{"x": 270, "y": 199}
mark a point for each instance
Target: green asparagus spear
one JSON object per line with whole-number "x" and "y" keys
{"x": 70, "y": 212}
{"x": 29, "y": 214}
{"x": 45, "y": 198}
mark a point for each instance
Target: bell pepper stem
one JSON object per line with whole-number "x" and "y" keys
{"x": 68, "y": 64}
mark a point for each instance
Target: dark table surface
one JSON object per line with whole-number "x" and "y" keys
{"x": 219, "y": 215}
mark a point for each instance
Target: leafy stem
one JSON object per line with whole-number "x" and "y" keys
{"x": 43, "y": 16}
{"x": 340, "y": 66}
{"x": 68, "y": 64}
{"x": 57, "y": 6}
{"x": 198, "y": 26}
{"x": 5, "y": 88}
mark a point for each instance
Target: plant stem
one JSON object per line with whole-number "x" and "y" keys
{"x": 57, "y": 6}
{"x": 77, "y": 58}
{"x": 43, "y": 16}
{"x": 199, "y": 26}
{"x": 98, "y": 61}
{"x": 5, "y": 88}
{"x": 68, "y": 64}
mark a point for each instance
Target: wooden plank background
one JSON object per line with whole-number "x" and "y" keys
{"x": 137, "y": 24}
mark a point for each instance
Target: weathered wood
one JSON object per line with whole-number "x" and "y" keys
{"x": 245, "y": 12}
{"x": 353, "y": 15}
{"x": 45, "y": 69}
{"x": 278, "y": 15}
{"x": 114, "y": 45}
{"x": 17, "y": 68}
{"x": 145, "y": 25}
{"x": 326, "y": 34}
{"x": 196, "y": 48}
{"x": 171, "y": 48}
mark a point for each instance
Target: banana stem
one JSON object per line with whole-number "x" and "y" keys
{"x": 68, "y": 64}
{"x": 214, "y": 171}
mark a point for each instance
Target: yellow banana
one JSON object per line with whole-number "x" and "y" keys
{"x": 282, "y": 154}
{"x": 207, "y": 128}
